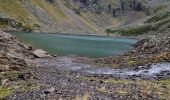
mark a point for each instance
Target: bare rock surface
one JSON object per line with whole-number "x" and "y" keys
{"x": 41, "y": 53}
{"x": 13, "y": 54}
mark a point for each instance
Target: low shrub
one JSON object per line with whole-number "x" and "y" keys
{"x": 132, "y": 31}
{"x": 137, "y": 30}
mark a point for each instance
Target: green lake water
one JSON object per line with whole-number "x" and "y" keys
{"x": 88, "y": 46}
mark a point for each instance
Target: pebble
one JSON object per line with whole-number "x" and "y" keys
{"x": 50, "y": 90}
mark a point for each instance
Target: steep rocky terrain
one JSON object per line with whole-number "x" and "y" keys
{"x": 69, "y": 16}
{"x": 157, "y": 21}
{"x": 15, "y": 57}
{"x": 13, "y": 54}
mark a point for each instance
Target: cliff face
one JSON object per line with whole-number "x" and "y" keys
{"x": 113, "y": 7}
{"x": 68, "y": 16}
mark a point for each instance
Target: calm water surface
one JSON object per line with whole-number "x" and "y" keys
{"x": 65, "y": 45}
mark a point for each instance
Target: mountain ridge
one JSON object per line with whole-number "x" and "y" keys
{"x": 67, "y": 16}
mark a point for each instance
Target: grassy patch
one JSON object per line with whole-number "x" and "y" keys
{"x": 158, "y": 17}
{"x": 159, "y": 88}
{"x": 159, "y": 8}
{"x": 14, "y": 8}
{"x": 114, "y": 81}
{"x": 132, "y": 31}
{"x": 14, "y": 84}
{"x": 132, "y": 63}
{"x": 5, "y": 91}
{"x": 24, "y": 87}
{"x": 168, "y": 26}
{"x": 20, "y": 86}
{"x": 7, "y": 22}
{"x": 156, "y": 23}
{"x": 161, "y": 23}
{"x": 155, "y": 87}
{"x": 52, "y": 9}
{"x": 9, "y": 75}
{"x": 111, "y": 31}
{"x": 139, "y": 30}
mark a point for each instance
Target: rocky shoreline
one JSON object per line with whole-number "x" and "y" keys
{"x": 152, "y": 49}
{"x": 13, "y": 53}
{"x": 25, "y": 77}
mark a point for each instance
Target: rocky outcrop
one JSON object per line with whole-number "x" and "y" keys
{"x": 13, "y": 54}
{"x": 108, "y": 7}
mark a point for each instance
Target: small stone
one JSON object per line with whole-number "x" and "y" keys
{"x": 50, "y": 90}
{"x": 4, "y": 67}
{"x": 4, "y": 82}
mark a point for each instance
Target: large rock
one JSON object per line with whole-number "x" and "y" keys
{"x": 41, "y": 53}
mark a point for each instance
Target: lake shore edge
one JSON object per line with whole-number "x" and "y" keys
{"x": 34, "y": 77}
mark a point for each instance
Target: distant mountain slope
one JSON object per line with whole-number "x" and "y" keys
{"x": 69, "y": 16}
{"x": 157, "y": 20}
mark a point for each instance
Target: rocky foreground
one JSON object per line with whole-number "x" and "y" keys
{"x": 24, "y": 77}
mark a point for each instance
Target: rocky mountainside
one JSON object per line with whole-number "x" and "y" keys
{"x": 13, "y": 54}
{"x": 69, "y": 16}
{"x": 157, "y": 20}
{"x": 153, "y": 49}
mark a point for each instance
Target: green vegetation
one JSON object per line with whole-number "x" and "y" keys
{"x": 154, "y": 24}
{"x": 114, "y": 81}
{"x": 159, "y": 87}
{"x": 18, "y": 16}
{"x": 132, "y": 63}
{"x": 52, "y": 10}
{"x": 14, "y": 8}
{"x": 19, "y": 86}
{"x": 9, "y": 75}
{"x": 159, "y": 8}
{"x": 168, "y": 26}
{"x": 137, "y": 30}
{"x": 5, "y": 91}
{"x": 3, "y": 21}
{"x": 161, "y": 23}
{"x": 14, "y": 84}
{"x": 132, "y": 31}
{"x": 7, "y": 22}
{"x": 158, "y": 17}
{"x": 111, "y": 31}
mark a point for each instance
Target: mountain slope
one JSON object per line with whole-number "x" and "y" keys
{"x": 66, "y": 16}
{"x": 158, "y": 20}
{"x": 42, "y": 14}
